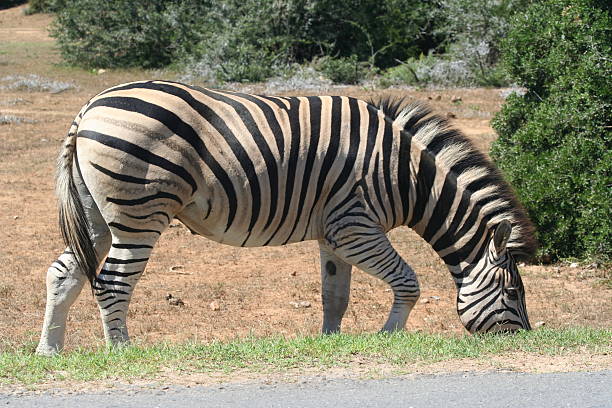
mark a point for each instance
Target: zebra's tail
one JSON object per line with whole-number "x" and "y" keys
{"x": 73, "y": 223}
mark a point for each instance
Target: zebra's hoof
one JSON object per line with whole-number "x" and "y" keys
{"x": 46, "y": 350}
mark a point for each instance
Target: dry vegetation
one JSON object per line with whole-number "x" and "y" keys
{"x": 226, "y": 291}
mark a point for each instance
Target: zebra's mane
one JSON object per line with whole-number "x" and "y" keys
{"x": 473, "y": 169}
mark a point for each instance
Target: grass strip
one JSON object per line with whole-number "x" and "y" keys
{"x": 21, "y": 365}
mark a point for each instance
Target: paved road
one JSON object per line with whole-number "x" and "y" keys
{"x": 580, "y": 390}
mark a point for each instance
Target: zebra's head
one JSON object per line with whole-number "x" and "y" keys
{"x": 492, "y": 297}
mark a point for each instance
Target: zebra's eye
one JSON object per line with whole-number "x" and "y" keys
{"x": 512, "y": 293}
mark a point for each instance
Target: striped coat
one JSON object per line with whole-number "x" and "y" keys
{"x": 254, "y": 170}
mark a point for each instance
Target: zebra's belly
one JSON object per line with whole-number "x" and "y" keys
{"x": 193, "y": 218}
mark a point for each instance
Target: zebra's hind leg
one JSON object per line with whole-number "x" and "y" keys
{"x": 65, "y": 279}
{"x": 113, "y": 287}
{"x": 336, "y": 287}
{"x": 368, "y": 248}
{"x": 64, "y": 283}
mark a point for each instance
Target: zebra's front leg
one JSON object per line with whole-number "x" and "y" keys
{"x": 406, "y": 292}
{"x": 367, "y": 247}
{"x": 336, "y": 287}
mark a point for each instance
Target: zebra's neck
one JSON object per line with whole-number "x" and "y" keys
{"x": 452, "y": 219}
{"x": 456, "y": 195}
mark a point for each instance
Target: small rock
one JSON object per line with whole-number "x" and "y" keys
{"x": 294, "y": 273}
{"x": 574, "y": 265}
{"x": 175, "y": 224}
{"x": 539, "y": 324}
{"x": 557, "y": 269}
{"x": 594, "y": 265}
{"x": 44, "y": 140}
{"x": 456, "y": 99}
{"x": 175, "y": 268}
{"x": 435, "y": 297}
{"x": 174, "y": 301}
{"x": 438, "y": 97}
{"x": 423, "y": 301}
{"x": 299, "y": 305}
{"x": 521, "y": 265}
{"x": 546, "y": 259}
{"x": 15, "y": 217}
{"x": 450, "y": 115}
{"x": 101, "y": 71}
{"x": 214, "y": 306}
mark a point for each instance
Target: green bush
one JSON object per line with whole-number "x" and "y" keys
{"x": 342, "y": 70}
{"x": 432, "y": 69}
{"x": 470, "y": 32}
{"x": 43, "y": 6}
{"x": 554, "y": 142}
{"x": 473, "y": 30}
{"x": 238, "y": 40}
{"x": 125, "y": 33}
{"x": 378, "y": 31}
{"x": 249, "y": 41}
{"x": 254, "y": 40}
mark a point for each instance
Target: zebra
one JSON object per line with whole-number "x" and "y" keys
{"x": 255, "y": 170}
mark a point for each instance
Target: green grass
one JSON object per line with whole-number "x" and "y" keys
{"x": 279, "y": 354}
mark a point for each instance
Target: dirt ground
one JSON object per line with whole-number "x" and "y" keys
{"x": 227, "y": 292}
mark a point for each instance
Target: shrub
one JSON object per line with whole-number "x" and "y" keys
{"x": 238, "y": 40}
{"x": 299, "y": 77}
{"x": 378, "y": 31}
{"x": 124, "y": 33}
{"x": 228, "y": 60}
{"x": 42, "y": 6}
{"x": 255, "y": 40}
{"x": 473, "y": 30}
{"x": 432, "y": 69}
{"x": 249, "y": 41}
{"x": 342, "y": 70}
{"x": 554, "y": 142}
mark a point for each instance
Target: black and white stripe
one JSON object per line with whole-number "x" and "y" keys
{"x": 254, "y": 170}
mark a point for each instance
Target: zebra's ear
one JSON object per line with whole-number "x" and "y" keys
{"x": 501, "y": 236}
